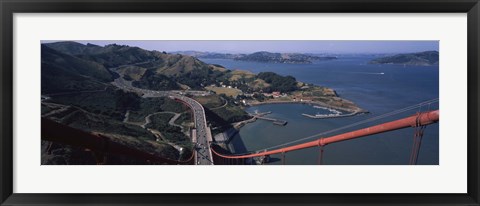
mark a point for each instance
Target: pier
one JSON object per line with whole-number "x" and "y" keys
{"x": 326, "y": 116}
{"x": 275, "y": 121}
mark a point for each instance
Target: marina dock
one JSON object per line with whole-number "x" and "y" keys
{"x": 326, "y": 116}
{"x": 275, "y": 121}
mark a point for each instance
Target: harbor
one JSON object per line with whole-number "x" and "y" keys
{"x": 334, "y": 113}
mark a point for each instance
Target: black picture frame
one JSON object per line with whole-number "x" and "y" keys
{"x": 10, "y": 7}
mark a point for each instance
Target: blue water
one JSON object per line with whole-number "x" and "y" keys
{"x": 377, "y": 88}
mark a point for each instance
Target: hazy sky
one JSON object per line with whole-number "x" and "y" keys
{"x": 281, "y": 46}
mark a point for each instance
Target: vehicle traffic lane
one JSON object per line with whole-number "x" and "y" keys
{"x": 203, "y": 152}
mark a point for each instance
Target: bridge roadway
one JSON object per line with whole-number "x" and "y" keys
{"x": 203, "y": 152}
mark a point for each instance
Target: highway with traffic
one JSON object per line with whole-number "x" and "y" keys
{"x": 203, "y": 153}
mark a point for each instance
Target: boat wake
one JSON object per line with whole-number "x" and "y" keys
{"x": 372, "y": 73}
{"x": 367, "y": 73}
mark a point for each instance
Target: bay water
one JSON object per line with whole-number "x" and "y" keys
{"x": 380, "y": 89}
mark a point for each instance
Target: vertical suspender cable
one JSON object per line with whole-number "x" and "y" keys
{"x": 320, "y": 155}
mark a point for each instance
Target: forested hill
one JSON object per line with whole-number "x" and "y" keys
{"x": 76, "y": 66}
{"x": 426, "y": 58}
{"x": 63, "y": 73}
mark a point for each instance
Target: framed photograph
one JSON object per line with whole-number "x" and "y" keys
{"x": 230, "y": 102}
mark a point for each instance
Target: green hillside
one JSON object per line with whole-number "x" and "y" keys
{"x": 74, "y": 48}
{"x": 64, "y": 73}
{"x": 112, "y": 55}
{"x": 426, "y": 58}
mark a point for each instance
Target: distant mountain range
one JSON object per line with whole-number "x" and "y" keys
{"x": 288, "y": 58}
{"x": 208, "y": 55}
{"x": 426, "y": 58}
{"x": 262, "y": 56}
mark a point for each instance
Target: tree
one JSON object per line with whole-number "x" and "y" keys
{"x": 277, "y": 82}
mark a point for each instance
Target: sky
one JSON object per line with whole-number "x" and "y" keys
{"x": 300, "y": 46}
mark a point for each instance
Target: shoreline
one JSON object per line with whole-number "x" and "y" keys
{"x": 238, "y": 125}
{"x": 352, "y": 112}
